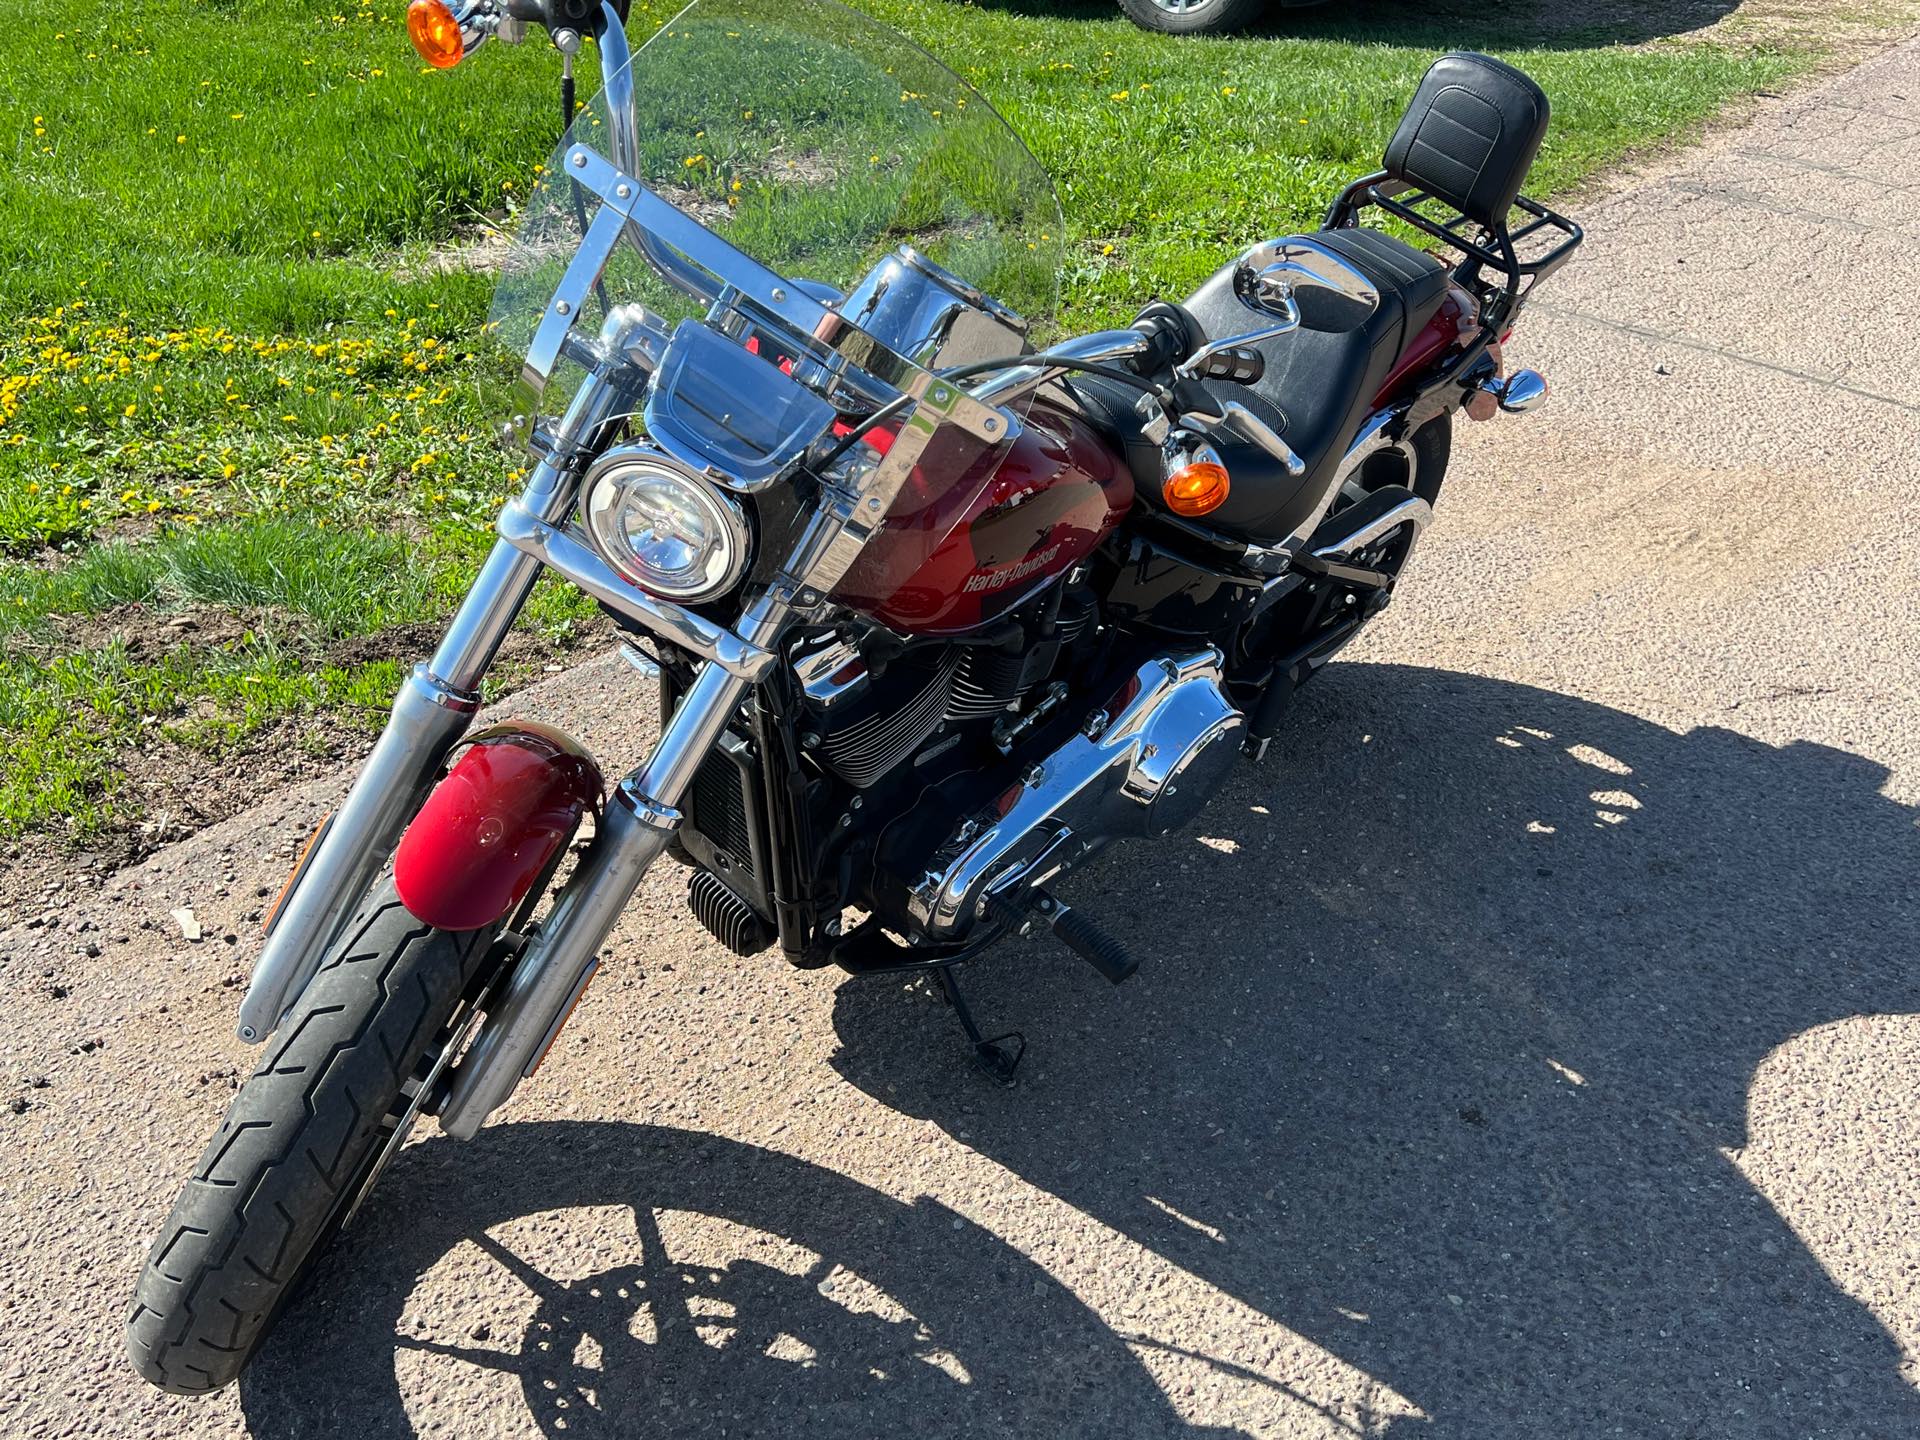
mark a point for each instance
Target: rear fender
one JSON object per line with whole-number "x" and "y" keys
{"x": 500, "y": 816}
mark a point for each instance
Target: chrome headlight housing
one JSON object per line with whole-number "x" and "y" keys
{"x": 670, "y": 532}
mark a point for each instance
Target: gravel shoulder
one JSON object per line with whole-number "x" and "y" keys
{"x": 1527, "y": 1049}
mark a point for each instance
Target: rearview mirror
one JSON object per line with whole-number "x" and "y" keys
{"x": 1330, "y": 293}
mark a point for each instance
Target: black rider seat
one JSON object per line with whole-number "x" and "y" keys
{"x": 1317, "y": 391}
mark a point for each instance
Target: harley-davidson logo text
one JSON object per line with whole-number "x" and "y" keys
{"x": 999, "y": 579}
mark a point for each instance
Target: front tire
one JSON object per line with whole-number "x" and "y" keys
{"x": 280, "y": 1176}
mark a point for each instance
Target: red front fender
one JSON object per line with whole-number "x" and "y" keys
{"x": 487, "y": 831}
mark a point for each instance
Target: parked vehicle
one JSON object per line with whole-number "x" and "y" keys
{"x": 1204, "y": 17}
{"x": 936, "y": 613}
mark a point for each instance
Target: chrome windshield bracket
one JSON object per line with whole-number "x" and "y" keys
{"x": 576, "y": 285}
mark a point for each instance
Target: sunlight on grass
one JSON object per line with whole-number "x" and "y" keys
{"x": 236, "y": 375}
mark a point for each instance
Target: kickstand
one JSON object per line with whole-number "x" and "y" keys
{"x": 1000, "y": 1056}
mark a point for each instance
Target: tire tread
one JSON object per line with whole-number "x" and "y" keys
{"x": 255, "y": 1205}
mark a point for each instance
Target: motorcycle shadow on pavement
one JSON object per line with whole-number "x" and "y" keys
{"x": 1440, "y": 1052}
{"x": 687, "y": 1286}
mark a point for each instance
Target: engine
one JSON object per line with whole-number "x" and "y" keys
{"x": 942, "y": 775}
{"x": 1142, "y": 764}
{"x": 864, "y": 720}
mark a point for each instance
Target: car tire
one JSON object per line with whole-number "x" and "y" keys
{"x": 1199, "y": 17}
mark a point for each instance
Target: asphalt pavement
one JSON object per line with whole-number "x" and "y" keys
{"x": 1526, "y": 1050}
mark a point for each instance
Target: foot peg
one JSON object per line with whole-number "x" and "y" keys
{"x": 1072, "y": 929}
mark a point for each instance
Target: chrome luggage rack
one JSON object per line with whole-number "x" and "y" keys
{"x": 1501, "y": 250}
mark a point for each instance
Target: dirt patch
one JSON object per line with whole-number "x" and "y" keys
{"x": 147, "y": 633}
{"x": 169, "y": 788}
{"x": 483, "y": 248}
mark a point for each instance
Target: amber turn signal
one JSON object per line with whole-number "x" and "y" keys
{"x": 1196, "y": 488}
{"x": 435, "y": 33}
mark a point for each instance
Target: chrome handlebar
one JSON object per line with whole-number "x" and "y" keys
{"x": 1036, "y": 370}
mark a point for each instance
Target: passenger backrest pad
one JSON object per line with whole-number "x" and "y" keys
{"x": 1470, "y": 135}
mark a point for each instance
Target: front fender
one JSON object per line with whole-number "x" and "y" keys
{"x": 487, "y": 832}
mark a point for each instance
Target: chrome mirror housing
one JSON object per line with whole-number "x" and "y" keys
{"x": 1329, "y": 293}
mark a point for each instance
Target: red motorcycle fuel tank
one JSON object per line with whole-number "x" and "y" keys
{"x": 1056, "y": 493}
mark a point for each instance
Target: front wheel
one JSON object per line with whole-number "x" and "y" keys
{"x": 299, "y": 1145}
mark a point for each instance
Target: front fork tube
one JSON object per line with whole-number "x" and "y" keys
{"x": 565, "y": 949}
{"x": 432, "y": 711}
{"x": 430, "y": 714}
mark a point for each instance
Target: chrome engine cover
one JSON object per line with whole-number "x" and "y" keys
{"x": 1142, "y": 765}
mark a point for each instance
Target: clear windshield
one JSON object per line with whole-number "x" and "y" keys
{"x": 808, "y": 137}
{"x": 827, "y": 220}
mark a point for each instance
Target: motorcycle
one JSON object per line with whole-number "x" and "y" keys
{"x": 936, "y": 612}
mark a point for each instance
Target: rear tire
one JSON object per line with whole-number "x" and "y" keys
{"x": 1202, "y": 17}
{"x": 277, "y": 1180}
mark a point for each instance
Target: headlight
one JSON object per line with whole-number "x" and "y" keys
{"x": 670, "y": 533}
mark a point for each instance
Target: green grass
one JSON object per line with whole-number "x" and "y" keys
{"x": 231, "y": 382}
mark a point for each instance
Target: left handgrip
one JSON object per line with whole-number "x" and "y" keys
{"x": 1240, "y": 364}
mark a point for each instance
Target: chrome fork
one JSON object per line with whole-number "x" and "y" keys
{"x": 564, "y": 952}
{"x": 431, "y": 712}
{"x": 565, "y": 949}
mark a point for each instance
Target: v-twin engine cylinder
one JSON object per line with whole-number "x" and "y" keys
{"x": 1143, "y": 764}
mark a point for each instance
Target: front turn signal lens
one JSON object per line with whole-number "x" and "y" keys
{"x": 1196, "y": 488}
{"x": 435, "y": 33}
